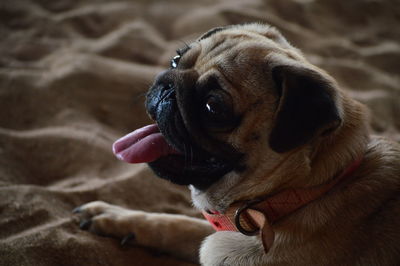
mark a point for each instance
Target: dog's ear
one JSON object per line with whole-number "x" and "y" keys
{"x": 307, "y": 107}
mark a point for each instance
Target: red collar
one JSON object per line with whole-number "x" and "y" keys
{"x": 256, "y": 216}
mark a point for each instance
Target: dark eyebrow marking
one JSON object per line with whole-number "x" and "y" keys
{"x": 211, "y": 32}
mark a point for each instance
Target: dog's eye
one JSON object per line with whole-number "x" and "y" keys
{"x": 175, "y": 61}
{"x": 218, "y": 113}
{"x": 213, "y": 106}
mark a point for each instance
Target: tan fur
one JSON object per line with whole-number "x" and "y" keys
{"x": 357, "y": 223}
{"x": 155, "y": 230}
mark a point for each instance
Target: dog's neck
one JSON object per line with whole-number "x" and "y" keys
{"x": 332, "y": 155}
{"x": 257, "y": 217}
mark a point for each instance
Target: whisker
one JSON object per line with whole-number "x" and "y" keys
{"x": 186, "y": 44}
{"x": 183, "y": 50}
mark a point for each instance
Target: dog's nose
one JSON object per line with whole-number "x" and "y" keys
{"x": 164, "y": 91}
{"x": 160, "y": 95}
{"x": 166, "y": 86}
{"x": 168, "y": 91}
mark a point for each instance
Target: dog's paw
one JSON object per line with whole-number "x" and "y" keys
{"x": 176, "y": 234}
{"x": 231, "y": 248}
{"x": 109, "y": 220}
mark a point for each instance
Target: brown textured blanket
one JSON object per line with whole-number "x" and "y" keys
{"x": 73, "y": 76}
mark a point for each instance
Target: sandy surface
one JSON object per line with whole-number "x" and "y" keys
{"x": 72, "y": 80}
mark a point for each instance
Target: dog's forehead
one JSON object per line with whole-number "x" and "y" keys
{"x": 229, "y": 43}
{"x": 243, "y": 47}
{"x": 234, "y": 53}
{"x": 239, "y": 56}
{"x": 256, "y": 28}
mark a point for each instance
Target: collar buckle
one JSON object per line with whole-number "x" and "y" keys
{"x": 239, "y": 220}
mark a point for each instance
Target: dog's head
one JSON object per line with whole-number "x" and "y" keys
{"x": 236, "y": 97}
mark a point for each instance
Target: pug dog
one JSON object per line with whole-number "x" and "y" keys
{"x": 276, "y": 155}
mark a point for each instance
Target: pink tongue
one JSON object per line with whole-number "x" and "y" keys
{"x": 143, "y": 145}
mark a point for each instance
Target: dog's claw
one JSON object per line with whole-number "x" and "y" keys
{"x": 85, "y": 224}
{"x": 127, "y": 238}
{"x": 77, "y": 210}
